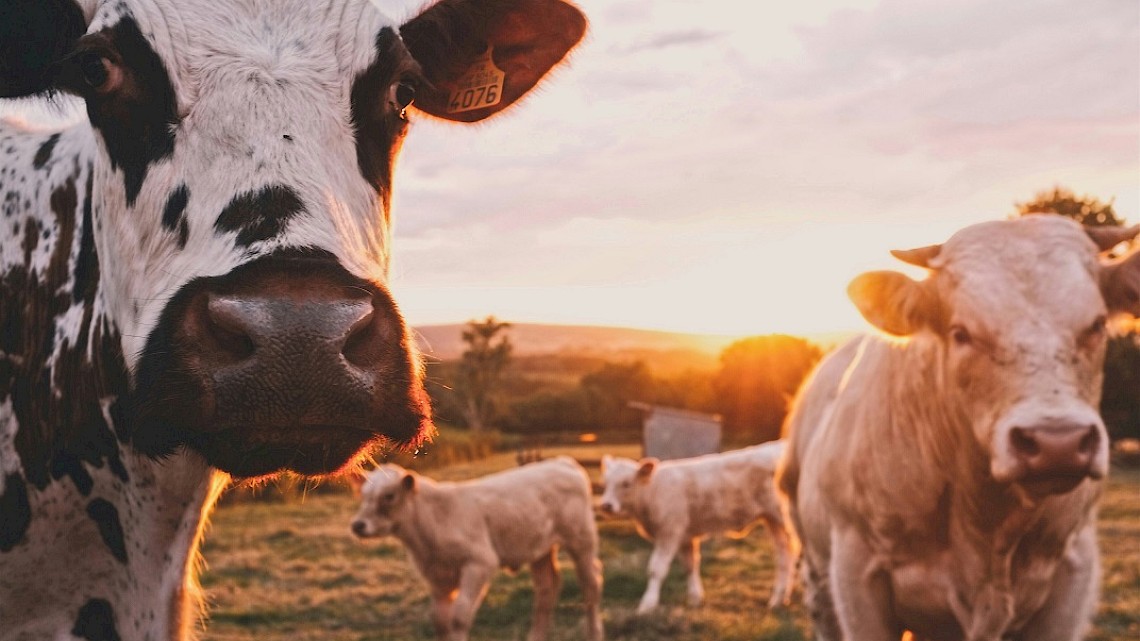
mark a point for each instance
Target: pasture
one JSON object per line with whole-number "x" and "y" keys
{"x": 293, "y": 572}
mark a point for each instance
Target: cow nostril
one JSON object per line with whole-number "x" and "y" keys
{"x": 365, "y": 341}
{"x": 358, "y": 528}
{"x": 228, "y": 328}
{"x": 1023, "y": 442}
{"x": 1089, "y": 441}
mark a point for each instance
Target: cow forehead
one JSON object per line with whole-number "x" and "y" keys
{"x": 1036, "y": 268}
{"x": 618, "y": 468}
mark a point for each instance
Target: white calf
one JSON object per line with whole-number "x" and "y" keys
{"x": 677, "y": 503}
{"x": 458, "y": 534}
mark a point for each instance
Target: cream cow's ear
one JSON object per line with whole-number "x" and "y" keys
{"x": 646, "y": 468}
{"x": 894, "y": 302}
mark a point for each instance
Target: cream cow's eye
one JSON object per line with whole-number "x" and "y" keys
{"x": 960, "y": 335}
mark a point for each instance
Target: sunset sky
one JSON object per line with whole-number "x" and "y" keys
{"x": 728, "y": 167}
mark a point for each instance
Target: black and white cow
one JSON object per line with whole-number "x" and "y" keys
{"x": 192, "y": 281}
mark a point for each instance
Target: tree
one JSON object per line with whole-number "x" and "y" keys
{"x": 481, "y": 368}
{"x": 1086, "y": 210}
{"x": 609, "y": 390}
{"x": 757, "y": 378}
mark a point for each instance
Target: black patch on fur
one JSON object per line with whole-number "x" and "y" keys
{"x": 259, "y": 215}
{"x": 60, "y": 434}
{"x": 16, "y": 511}
{"x": 174, "y": 214}
{"x": 379, "y": 128}
{"x": 34, "y": 35}
{"x": 96, "y": 622}
{"x": 106, "y": 518}
{"x": 43, "y": 154}
{"x": 138, "y": 120}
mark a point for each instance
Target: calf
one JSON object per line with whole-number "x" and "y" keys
{"x": 945, "y": 481}
{"x": 458, "y": 534}
{"x": 678, "y": 503}
{"x": 192, "y": 279}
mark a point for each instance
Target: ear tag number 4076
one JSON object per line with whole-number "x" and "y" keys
{"x": 480, "y": 87}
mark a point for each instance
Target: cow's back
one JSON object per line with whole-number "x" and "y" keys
{"x": 714, "y": 493}
{"x": 526, "y": 510}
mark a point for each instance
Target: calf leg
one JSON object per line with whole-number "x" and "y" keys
{"x": 659, "y": 560}
{"x": 547, "y": 584}
{"x": 691, "y": 558}
{"x": 473, "y": 581}
{"x": 589, "y": 571}
{"x": 1068, "y": 610}
{"x": 785, "y": 563}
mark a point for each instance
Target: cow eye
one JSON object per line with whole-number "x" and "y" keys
{"x": 960, "y": 335}
{"x": 403, "y": 95}
{"x": 389, "y": 497}
{"x": 98, "y": 72}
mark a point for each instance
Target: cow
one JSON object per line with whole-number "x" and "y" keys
{"x": 943, "y": 477}
{"x": 676, "y": 504}
{"x": 193, "y": 277}
{"x": 459, "y": 534}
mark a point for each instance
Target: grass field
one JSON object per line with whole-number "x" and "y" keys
{"x": 292, "y": 572}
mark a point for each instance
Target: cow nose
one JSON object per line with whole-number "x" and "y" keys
{"x": 608, "y": 507}
{"x": 1066, "y": 450}
{"x": 244, "y": 326}
{"x": 358, "y": 528}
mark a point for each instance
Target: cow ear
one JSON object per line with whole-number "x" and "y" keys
{"x": 480, "y": 56}
{"x": 1120, "y": 284}
{"x": 605, "y": 462}
{"x": 34, "y": 36}
{"x": 408, "y": 482}
{"x": 646, "y": 469}
{"x": 893, "y": 302}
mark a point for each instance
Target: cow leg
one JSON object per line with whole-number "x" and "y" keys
{"x": 785, "y": 563}
{"x": 1068, "y": 610}
{"x": 860, "y": 592}
{"x": 441, "y": 600}
{"x": 589, "y": 571}
{"x": 473, "y": 581}
{"x": 817, "y": 599}
{"x": 659, "y": 561}
{"x": 691, "y": 558}
{"x": 547, "y": 584}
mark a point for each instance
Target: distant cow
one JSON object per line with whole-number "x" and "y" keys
{"x": 459, "y": 534}
{"x": 193, "y": 278}
{"x": 678, "y": 503}
{"x": 945, "y": 481}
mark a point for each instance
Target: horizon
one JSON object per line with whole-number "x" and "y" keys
{"x": 689, "y": 171}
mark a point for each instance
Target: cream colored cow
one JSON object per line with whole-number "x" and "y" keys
{"x": 459, "y": 534}
{"x": 945, "y": 481}
{"x": 678, "y": 503}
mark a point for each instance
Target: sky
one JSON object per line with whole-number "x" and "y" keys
{"x": 729, "y": 167}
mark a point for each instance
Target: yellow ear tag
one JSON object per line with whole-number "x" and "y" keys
{"x": 480, "y": 87}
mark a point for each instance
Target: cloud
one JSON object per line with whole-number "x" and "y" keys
{"x": 687, "y": 37}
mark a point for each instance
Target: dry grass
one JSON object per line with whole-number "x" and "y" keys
{"x": 294, "y": 573}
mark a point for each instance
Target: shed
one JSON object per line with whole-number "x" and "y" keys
{"x": 672, "y": 433}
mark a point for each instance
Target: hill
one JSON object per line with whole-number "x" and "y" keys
{"x": 662, "y": 350}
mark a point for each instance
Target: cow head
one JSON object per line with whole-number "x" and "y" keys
{"x": 385, "y": 495}
{"x": 624, "y": 480}
{"x": 1013, "y": 321}
{"x": 244, "y": 154}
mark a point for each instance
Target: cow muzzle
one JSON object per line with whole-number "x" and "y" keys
{"x": 285, "y": 364}
{"x": 1053, "y": 455}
